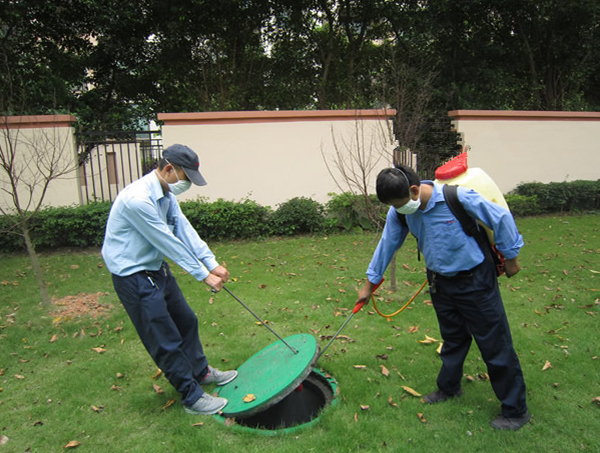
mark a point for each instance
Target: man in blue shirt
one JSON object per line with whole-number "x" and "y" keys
{"x": 462, "y": 280}
{"x": 145, "y": 225}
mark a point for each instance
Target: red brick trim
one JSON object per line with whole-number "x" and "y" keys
{"x": 523, "y": 115}
{"x": 36, "y": 121}
{"x": 272, "y": 116}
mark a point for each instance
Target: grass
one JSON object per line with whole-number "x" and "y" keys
{"x": 55, "y": 388}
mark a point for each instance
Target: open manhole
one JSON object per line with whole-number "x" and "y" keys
{"x": 278, "y": 390}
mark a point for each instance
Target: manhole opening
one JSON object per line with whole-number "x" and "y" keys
{"x": 301, "y": 406}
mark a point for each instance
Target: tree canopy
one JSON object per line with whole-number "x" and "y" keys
{"x": 112, "y": 63}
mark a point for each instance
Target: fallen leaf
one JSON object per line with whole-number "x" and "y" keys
{"x": 157, "y": 388}
{"x": 421, "y": 417}
{"x": 439, "y": 348}
{"x": 547, "y": 366}
{"x": 229, "y": 421}
{"x": 169, "y": 404}
{"x": 97, "y": 408}
{"x": 413, "y": 329}
{"x": 391, "y": 402}
{"x": 73, "y": 444}
{"x": 384, "y": 371}
{"x": 99, "y": 350}
{"x": 428, "y": 340}
{"x": 157, "y": 374}
{"x": 3, "y": 440}
{"x": 411, "y": 391}
{"x": 355, "y": 418}
{"x": 54, "y": 338}
{"x": 198, "y": 424}
{"x": 360, "y": 367}
{"x": 19, "y": 377}
{"x": 596, "y": 400}
{"x": 249, "y": 398}
{"x": 115, "y": 387}
{"x": 365, "y": 407}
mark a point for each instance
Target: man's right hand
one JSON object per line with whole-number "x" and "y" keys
{"x": 216, "y": 283}
{"x": 365, "y": 293}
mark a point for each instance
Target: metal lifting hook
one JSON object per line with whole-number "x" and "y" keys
{"x": 262, "y": 322}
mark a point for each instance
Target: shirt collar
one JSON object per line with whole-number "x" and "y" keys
{"x": 155, "y": 187}
{"x": 436, "y": 195}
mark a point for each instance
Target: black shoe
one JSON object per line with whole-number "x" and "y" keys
{"x": 510, "y": 423}
{"x": 440, "y": 396}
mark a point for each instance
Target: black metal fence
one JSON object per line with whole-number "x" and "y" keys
{"x": 108, "y": 161}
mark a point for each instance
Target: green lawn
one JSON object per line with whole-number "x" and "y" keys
{"x": 88, "y": 379}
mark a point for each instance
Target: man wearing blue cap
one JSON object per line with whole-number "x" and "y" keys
{"x": 145, "y": 225}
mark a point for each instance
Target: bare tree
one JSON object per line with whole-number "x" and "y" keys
{"x": 30, "y": 160}
{"x": 355, "y": 158}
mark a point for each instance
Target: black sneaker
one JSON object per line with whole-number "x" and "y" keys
{"x": 510, "y": 423}
{"x": 440, "y": 396}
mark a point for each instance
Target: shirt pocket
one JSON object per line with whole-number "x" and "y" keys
{"x": 447, "y": 243}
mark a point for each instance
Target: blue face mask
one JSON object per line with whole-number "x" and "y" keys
{"x": 411, "y": 206}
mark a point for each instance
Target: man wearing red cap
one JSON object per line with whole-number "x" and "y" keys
{"x": 145, "y": 225}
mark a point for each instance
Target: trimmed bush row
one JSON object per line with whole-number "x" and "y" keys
{"x": 83, "y": 226}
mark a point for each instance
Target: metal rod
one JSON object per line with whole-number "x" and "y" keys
{"x": 257, "y": 317}
{"x": 355, "y": 310}
{"x": 336, "y": 334}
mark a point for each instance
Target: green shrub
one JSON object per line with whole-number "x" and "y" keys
{"x": 563, "y": 196}
{"x": 223, "y": 219}
{"x": 350, "y": 212}
{"x": 73, "y": 226}
{"x": 298, "y": 216}
{"x": 522, "y": 205}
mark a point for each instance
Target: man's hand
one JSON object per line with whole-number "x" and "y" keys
{"x": 216, "y": 283}
{"x": 512, "y": 267}
{"x": 221, "y": 272}
{"x": 364, "y": 295}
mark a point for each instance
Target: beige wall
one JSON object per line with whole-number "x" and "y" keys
{"x": 38, "y": 142}
{"x": 271, "y": 157}
{"x": 527, "y": 146}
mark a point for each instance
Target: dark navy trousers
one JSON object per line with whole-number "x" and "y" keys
{"x": 167, "y": 326}
{"x": 469, "y": 306}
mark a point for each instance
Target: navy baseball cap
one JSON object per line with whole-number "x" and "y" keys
{"x": 187, "y": 159}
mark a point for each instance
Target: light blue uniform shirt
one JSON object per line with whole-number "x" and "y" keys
{"x": 445, "y": 246}
{"x": 145, "y": 225}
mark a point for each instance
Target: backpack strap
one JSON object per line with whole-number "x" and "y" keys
{"x": 471, "y": 227}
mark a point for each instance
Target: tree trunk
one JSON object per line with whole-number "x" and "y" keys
{"x": 35, "y": 263}
{"x": 392, "y": 273}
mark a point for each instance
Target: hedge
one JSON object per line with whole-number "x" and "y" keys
{"x": 83, "y": 226}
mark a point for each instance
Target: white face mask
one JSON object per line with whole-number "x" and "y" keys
{"x": 178, "y": 187}
{"x": 410, "y": 207}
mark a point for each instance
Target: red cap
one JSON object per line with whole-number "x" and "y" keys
{"x": 454, "y": 167}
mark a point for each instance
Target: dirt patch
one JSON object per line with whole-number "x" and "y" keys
{"x": 83, "y": 304}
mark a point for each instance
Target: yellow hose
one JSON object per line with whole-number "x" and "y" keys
{"x": 403, "y": 307}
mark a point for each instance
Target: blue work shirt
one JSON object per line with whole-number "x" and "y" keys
{"x": 445, "y": 246}
{"x": 145, "y": 225}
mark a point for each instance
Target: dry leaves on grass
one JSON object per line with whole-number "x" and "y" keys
{"x": 410, "y": 391}
{"x": 83, "y": 304}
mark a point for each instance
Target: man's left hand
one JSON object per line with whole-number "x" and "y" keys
{"x": 221, "y": 272}
{"x": 511, "y": 267}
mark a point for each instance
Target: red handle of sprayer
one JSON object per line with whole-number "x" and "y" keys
{"x": 359, "y": 305}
